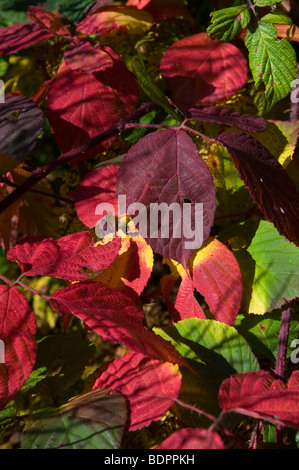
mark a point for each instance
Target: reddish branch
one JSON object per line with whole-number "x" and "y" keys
{"x": 283, "y": 344}
{"x": 280, "y": 363}
{"x": 39, "y": 173}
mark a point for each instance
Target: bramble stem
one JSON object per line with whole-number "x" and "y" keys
{"x": 280, "y": 364}
{"x": 283, "y": 344}
{"x": 33, "y": 291}
{"x": 41, "y": 172}
{"x": 4, "y": 279}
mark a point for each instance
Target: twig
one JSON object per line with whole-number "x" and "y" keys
{"x": 33, "y": 291}
{"x": 40, "y": 173}
{"x": 5, "y": 180}
{"x": 4, "y": 279}
{"x": 280, "y": 364}
{"x": 283, "y": 344}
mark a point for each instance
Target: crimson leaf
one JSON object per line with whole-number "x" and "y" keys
{"x": 49, "y": 21}
{"x": 19, "y": 36}
{"x": 17, "y": 330}
{"x": 85, "y": 58}
{"x": 149, "y": 385}
{"x": 82, "y": 105}
{"x": 193, "y": 438}
{"x": 258, "y": 394}
{"x": 115, "y": 317}
{"x": 200, "y": 71}
{"x": 64, "y": 257}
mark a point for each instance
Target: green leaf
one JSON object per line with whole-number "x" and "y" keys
{"x": 95, "y": 420}
{"x": 232, "y": 196}
{"x": 272, "y": 61}
{"x": 265, "y": 3}
{"x": 277, "y": 17}
{"x": 215, "y": 351}
{"x": 73, "y": 9}
{"x": 211, "y": 343}
{"x": 229, "y": 22}
{"x": 36, "y": 376}
{"x": 276, "y": 277}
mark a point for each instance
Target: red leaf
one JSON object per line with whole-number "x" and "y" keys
{"x": 163, "y": 9}
{"x": 216, "y": 275}
{"x": 149, "y": 385}
{"x": 192, "y": 438}
{"x": 99, "y": 186}
{"x": 138, "y": 3}
{"x": 85, "y": 58}
{"x": 228, "y": 117}
{"x": 109, "y": 19}
{"x": 64, "y": 257}
{"x": 258, "y": 394}
{"x": 199, "y": 70}
{"x": 17, "y": 330}
{"x": 82, "y": 105}
{"x": 19, "y": 36}
{"x": 98, "y": 5}
{"x": 115, "y": 317}
{"x": 185, "y": 305}
{"x": 268, "y": 183}
{"x": 158, "y": 169}
{"x": 185, "y": 302}
{"x": 49, "y": 21}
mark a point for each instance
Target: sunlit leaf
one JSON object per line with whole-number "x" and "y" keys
{"x": 200, "y": 71}
{"x": 276, "y": 278}
{"x": 112, "y": 18}
{"x": 272, "y": 62}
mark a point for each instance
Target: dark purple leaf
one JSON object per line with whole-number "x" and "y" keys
{"x": 165, "y": 167}
{"x": 19, "y": 36}
{"x": 228, "y": 117}
{"x": 21, "y": 122}
{"x": 268, "y": 183}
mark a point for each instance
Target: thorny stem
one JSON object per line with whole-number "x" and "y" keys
{"x": 283, "y": 344}
{"x": 280, "y": 364}
{"x": 41, "y": 172}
